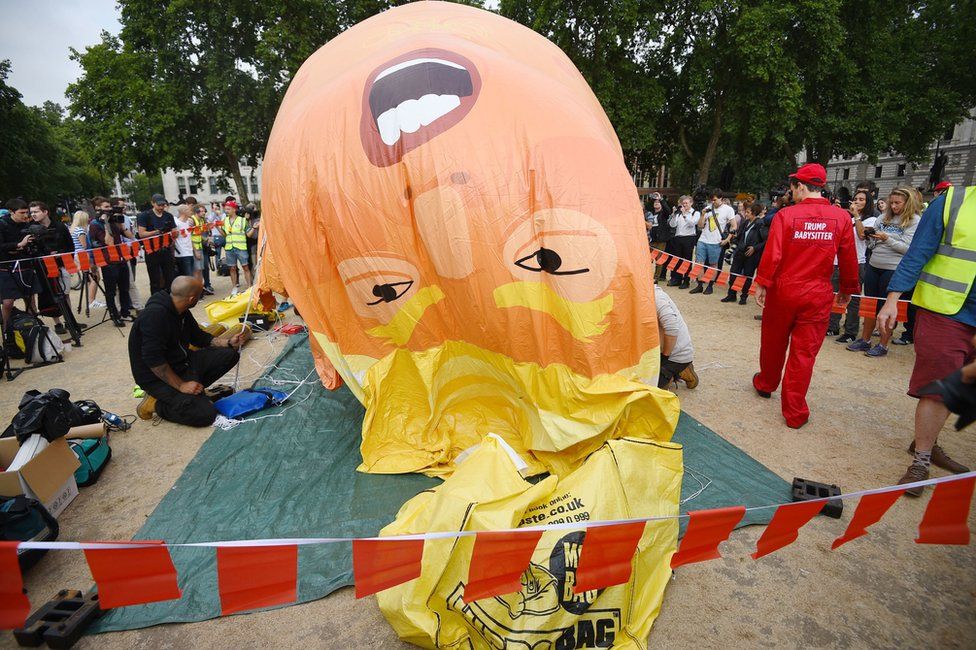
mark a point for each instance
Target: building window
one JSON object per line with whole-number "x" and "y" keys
{"x": 181, "y": 183}
{"x": 847, "y": 173}
{"x": 877, "y": 171}
{"x": 901, "y": 169}
{"x": 949, "y": 133}
{"x": 213, "y": 184}
{"x": 254, "y": 184}
{"x": 955, "y": 159}
{"x": 194, "y": 183}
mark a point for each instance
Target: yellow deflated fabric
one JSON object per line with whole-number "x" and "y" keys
{"x": 228, "y": 310}
{"x": 623, "y": 479}
{"x": 426, "y": 408}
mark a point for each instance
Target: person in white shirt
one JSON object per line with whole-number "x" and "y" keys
{"x": 684, "y": 220}
{"x": 677, "y": 353}
{"x": 712, "y": 223}
{"x": 182, "y": 243}
{"x": 862, "y": 216}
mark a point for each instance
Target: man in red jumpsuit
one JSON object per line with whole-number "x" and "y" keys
{"x": 794, "y": 289}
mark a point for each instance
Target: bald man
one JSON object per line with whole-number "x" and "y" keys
{"x": 163, "y": 365}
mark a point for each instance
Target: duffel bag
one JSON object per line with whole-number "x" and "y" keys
{"x": 26, "y": 520}
{"x": 93, "y": 454}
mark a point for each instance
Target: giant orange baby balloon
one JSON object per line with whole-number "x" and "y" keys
{"x": 448, "y": 207}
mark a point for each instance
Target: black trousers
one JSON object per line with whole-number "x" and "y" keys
{"x": 683, "y": 247}
{"x": 206, "y": 366}
{"x": 161, "y": 268}
{"x": 742, "y": 265}
{"x": 116, "y": 279}
{"x": 206, "y": 266}
{"x": 852, "y": 319}
{"x": 670, "y": 370}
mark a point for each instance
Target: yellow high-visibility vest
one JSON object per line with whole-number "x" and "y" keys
{"x": 948, "y": 276}
{"x": 236, "y": 230}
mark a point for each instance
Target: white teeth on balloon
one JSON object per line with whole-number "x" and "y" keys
{"x": 411, "y": 114}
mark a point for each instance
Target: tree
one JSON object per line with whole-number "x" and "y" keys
{"x": 41, "y": 153}
{"x": 141, "y": 187}
{"x": 189, "y": 84}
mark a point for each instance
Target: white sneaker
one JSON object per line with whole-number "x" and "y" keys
{"x": 97, "y": 304}
{"x": 233, "y": 294}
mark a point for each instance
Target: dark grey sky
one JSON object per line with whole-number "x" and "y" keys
{"x": 37, "y": 35}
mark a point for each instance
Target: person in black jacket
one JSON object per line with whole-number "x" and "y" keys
{"x": 749, "y": 243}
{"x": 659, "y": 231}
{"x": 17, "y": 276}
{"x": 175, "y": 377}
{"x": 57, "y": 239}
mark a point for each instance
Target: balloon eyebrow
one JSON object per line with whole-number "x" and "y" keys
{"x": 385, "y": 296}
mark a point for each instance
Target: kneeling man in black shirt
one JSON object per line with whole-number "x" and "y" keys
{"x": 163, "y": 365}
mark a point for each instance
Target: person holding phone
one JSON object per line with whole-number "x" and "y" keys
{"x": 888, "y": 240}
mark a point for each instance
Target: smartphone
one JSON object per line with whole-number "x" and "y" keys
{"x": 869, "y": 231}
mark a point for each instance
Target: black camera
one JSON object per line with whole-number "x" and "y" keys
{"x": 45, "y": 240}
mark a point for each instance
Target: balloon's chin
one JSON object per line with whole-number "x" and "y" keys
{"x": 424, "y": 408}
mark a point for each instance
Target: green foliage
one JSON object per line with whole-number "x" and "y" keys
{"x": 194, "y": 83}
{"x": 41, "y": 151}
{"x": 140, "y": 187}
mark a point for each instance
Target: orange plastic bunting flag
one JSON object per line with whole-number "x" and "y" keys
{"x": 945, "y": 519}
{"x": 696, "y": 271}
{"x": 252, "y": 577}
{"x": 738, "y": 283}
{"x": 497, "y": 563}
{"x": 52, "y": 267}
{"x": 133, "y": 576}
{"x": 68, "y": 260}
{"x": 607, "y": 556}
{"x": 723, "y": 279}
{"x": 99, "y": 255}
{"x": 113, "y": 253}
{"x": 870, "y": 509}
{"x": 785, "y": 525}
{"x": 379, "y": 564}
{"x": 709, "y": 275}
{"x": 868, "y": 308}
{"x": 673, "y": 262}
{"x": 706, "y": 530}
{"x": 14, "y": 605}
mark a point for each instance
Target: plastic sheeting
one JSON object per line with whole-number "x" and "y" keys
{"x": 447, "y": 203}
{"x": 624, "y": 479}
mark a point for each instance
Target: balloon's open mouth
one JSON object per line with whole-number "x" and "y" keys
{"x": 412, "y": 98}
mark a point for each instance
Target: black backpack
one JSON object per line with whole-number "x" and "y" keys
{"x": 26, "y": 520}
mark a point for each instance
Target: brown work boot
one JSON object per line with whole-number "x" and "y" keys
{"x": 915, "y": 473}
{"x": 146, "y": 408}
{"x": 689, "y": 376}
{"x": 941, "y": 459}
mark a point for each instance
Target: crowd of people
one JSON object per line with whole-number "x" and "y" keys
{"x": 203, "y": 240}
{"x": 810, "y": 255}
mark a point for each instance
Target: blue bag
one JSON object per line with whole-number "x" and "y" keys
{"x": 247, "y": 401}
{"x": 93, "y": 454}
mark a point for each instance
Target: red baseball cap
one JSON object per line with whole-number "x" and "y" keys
{"x": 811, "y": 174}
{"x": 944, "y": 185}
{"x": 232, "y": 204}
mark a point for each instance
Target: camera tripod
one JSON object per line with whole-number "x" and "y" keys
{"x": 84, "y": 299}
{"x": 60, "y": 299}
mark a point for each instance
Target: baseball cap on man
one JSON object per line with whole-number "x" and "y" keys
{"x": 159, "y": 199}
{"x": 944, "y": 185}
{"x": 231, "y": 204}
{"x": 811, "y": 174}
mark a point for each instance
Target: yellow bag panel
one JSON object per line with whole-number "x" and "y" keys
{"x": 624, "y": 479}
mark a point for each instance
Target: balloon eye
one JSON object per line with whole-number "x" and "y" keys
{"x": 547, "y": 261}
{"x": 390, "y": 291}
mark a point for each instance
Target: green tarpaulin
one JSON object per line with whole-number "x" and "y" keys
{"x": 295, "y": 476}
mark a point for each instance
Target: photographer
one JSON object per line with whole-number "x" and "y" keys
{"x": 108, "y": 229}
{"x": 154, "y": 223}
{"x": 51, "y": 237}
{"x": 129, "y": 221}
{"x": 17, "y": 279}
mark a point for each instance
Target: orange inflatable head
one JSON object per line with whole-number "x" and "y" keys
{"x": 449, "y": 209}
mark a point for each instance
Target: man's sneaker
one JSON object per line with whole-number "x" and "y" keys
{"x": 685, "y": 284}
{"x": 59, "y": 328}
{"x": 915, "y": 473}
{"x": 673, "y": 282}
{"x": 728, "y": 298}
{"x": 233, "y": 294}
{"x": 97, "y": 304}
{"x": 832, "y": 332}
{"x": 699, "y": 289}
{"x": 877, "y": 351}
{"x": 744, "y": 299}
{"x": 859, "y": 345}
{"x": 708, "y": 289}
{"x": 208, "y": 291}
{"x": 901, "y": 341}
{"x": 689, "y": 376}
{"x": 941, "y": 459}
{"x": 845, "y": 338}
{"x": 146, "y": 408}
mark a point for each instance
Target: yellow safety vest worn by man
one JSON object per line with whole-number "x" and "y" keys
{"x": 940, "y": 266}
{"x": 236, "y": 229}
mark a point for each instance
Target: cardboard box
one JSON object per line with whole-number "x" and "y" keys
{"x": 48, "y": 477}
